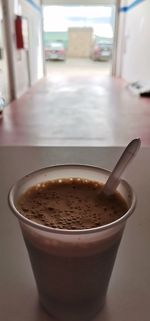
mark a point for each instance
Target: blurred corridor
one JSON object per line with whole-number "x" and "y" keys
{"x": 78, "y": 110}
{"x": 83, "y": 99}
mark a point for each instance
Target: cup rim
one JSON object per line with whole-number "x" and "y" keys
{"x": 66, "y": 231}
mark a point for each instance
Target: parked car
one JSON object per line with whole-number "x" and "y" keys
{"x": 102, "y": 49}
{"x": 55, "y": 51}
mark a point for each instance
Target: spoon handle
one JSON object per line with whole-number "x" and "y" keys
{"x": 114, "y": 178}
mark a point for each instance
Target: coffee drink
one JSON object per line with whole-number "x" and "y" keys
{"x": 72, "y": 233}
{"x": 71, "y": 204}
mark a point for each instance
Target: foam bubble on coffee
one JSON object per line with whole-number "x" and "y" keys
{"x": 70, "y": 204}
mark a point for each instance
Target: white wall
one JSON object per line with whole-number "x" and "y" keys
{"x": 4, "y": 76}
{"x": 120, "y": 42}
{"x": 135, "y": 58}
{"x": 23, "y": 60}
{"x": 35, "y": 40}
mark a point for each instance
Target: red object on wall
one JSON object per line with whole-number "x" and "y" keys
{"x": 19, "y": 34}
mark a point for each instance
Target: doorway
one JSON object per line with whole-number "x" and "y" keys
{"x": 78, "y": 40}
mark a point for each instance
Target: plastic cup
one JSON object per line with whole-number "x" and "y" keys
{"x": 72, "y": 268}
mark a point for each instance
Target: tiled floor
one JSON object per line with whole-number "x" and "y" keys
{"x": 83, "y": 108}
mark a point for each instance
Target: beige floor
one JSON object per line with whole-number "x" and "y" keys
{"x": 78, "y": 67}
{"x": 76, "y": 106}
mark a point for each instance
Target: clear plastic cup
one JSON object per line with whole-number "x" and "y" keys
{"x": 72, "y": 268}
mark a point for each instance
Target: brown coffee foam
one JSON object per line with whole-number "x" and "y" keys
{"x": 70, "y": 204}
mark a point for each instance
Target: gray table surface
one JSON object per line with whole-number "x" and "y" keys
{"x": 129, "y": 291}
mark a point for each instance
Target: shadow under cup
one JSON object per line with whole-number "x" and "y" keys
{"x": 72, "y": 268}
